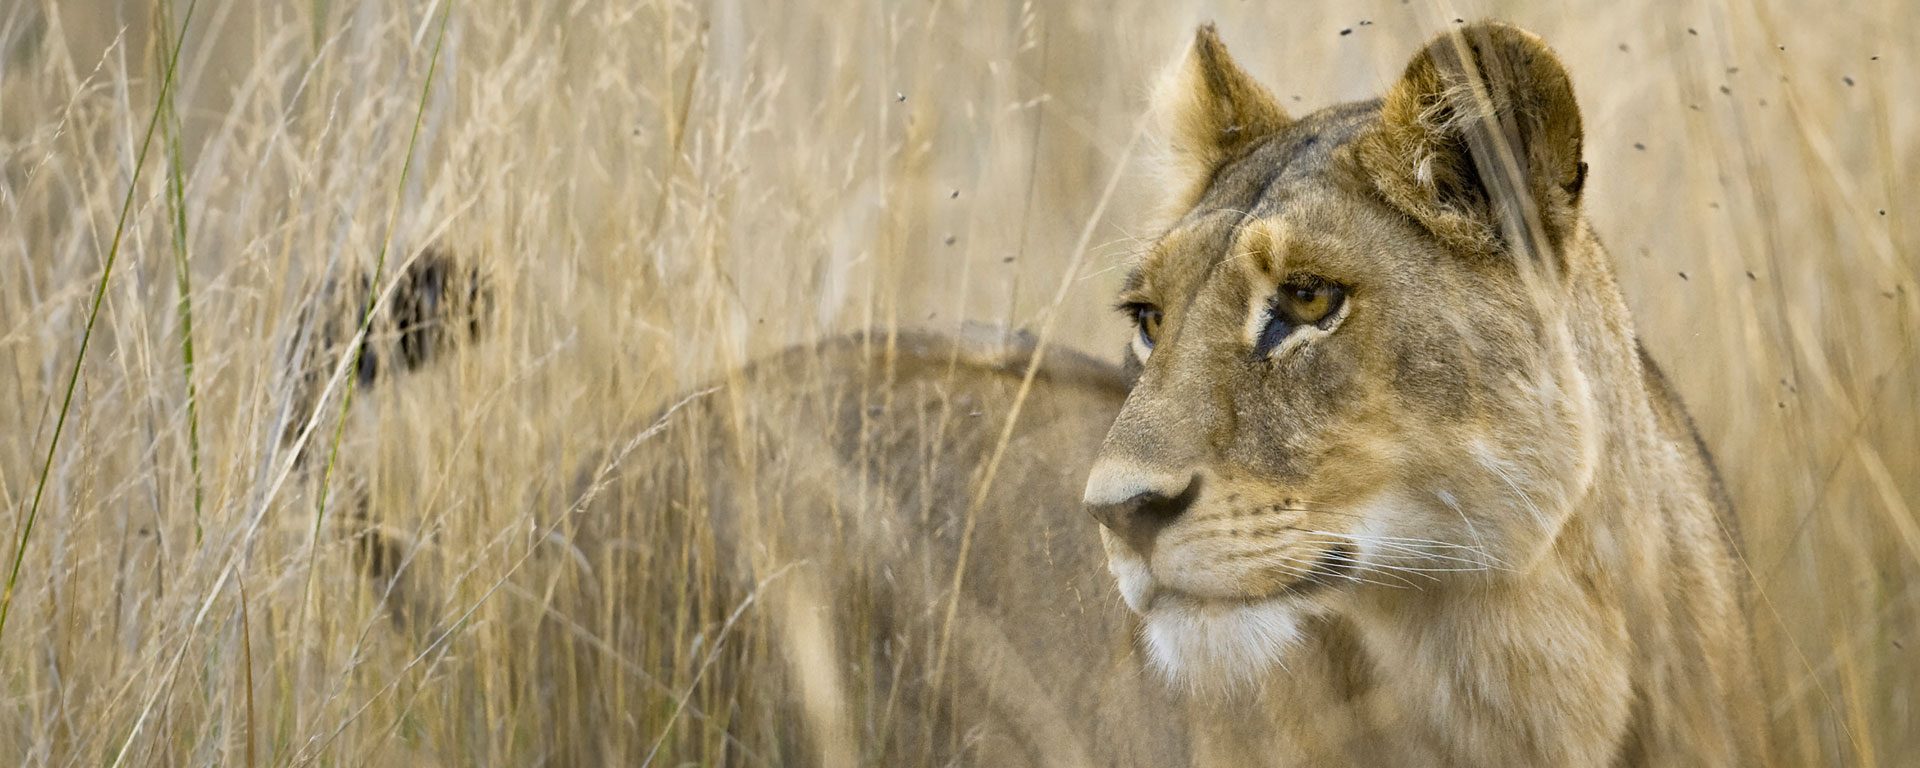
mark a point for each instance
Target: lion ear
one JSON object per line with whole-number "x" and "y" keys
{"x": 1209, "y": 111}
{"x": 1480, "y": 141}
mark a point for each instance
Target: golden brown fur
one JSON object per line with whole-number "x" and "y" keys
{"x": 785, "y": 540}
{"x": 1458, "y": 519}
{"x": 1395, "y": 466}
{"x": 837, "y": 483}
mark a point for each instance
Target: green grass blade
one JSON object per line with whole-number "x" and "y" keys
{"x": 183, "y": 283}
{"x": 86, "y": 335}
{"x": 374, "y": 296}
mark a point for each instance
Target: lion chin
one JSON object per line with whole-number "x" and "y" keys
{"x": 1218, "y": 647}
{"x": 1207, "y": 646}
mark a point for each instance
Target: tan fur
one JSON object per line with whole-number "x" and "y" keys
{"x": 1462, "y": 521}
{"x": 841, "y": 483}
{"x": 807, "y": 513}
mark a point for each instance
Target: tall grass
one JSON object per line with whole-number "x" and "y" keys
{"x": 663, "y": 190}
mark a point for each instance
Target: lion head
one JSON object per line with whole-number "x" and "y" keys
{"x": 1357, "y": 349}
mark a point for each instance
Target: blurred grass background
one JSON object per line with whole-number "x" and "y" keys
{"x": 662, "y": 190}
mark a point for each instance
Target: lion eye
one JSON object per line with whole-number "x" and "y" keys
{"x": 1309, "y": 301}
{"x": 1310, "y": 304}
{"x": 1147, "y": 317}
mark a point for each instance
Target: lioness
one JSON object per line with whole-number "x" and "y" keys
{"x": 1390, "y": 483}
{"x": 1392, "y": 426}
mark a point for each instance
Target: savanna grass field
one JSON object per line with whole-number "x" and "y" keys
{"x": 657, "y": 192}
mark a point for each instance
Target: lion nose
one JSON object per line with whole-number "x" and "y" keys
{"x": 1136, "y": 508}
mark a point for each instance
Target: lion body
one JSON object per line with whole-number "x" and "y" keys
{"x": 1447, "y": 513}
{"x": 840, "y": 486}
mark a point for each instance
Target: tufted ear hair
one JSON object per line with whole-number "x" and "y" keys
{"x": 1480, "y": 142}
{"x": 1209, "y": 111}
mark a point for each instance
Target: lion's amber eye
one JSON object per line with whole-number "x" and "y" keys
{"x": 1309, "y": 304}
{"x": 1302, "y": 302}
{"x": 1148, "y": 318}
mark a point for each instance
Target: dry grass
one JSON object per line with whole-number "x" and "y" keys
{"x": 664, "y": 190}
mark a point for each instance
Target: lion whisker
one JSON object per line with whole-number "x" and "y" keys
{"x": 1359, "y": 568}
{"x": 1484, "y": 561}
{"x": 1339, "y": 556}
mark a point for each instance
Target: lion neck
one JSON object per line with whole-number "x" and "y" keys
{"x": 1564, "y": 621}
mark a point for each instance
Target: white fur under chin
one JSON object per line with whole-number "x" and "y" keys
{"x": 1212, "y": 647}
